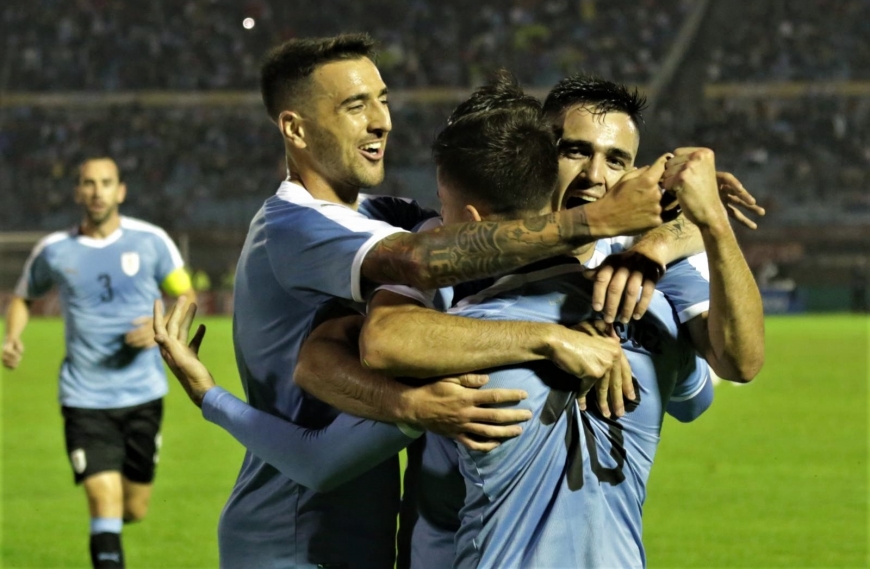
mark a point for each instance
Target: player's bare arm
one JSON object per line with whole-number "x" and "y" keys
{"x": 451, "y": 407}
{"x": 329, "y": 368}
{"x": 17, "y": 316}
{"x": 468, "y": 251}
{"x": 399, "y": 335}
{"x": 731, "y": 335}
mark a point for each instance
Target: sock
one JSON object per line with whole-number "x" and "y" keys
{"x": 106, "y": 550}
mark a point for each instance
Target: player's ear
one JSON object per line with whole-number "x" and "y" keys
{"x": 122, "y": 192}
{"x": 471, "y": 213}
{"x": 292, "y": 129}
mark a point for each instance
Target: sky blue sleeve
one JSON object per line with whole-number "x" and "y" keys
{"x": 686, "y": 284}
{"x": 693, "y": 394}
{"x": 687, "y": 410}
{"x": 320, "y": 459}
{"x": 36, "y": 278}
{"x": 168, "y": 257}
{"x": 321, "y": 249}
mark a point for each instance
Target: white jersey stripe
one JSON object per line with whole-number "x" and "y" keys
{"x": 139, "y": 225}
{"x": 22, "y": 286}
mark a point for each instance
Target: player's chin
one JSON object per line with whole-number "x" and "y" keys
{"x": 371, "y": 175}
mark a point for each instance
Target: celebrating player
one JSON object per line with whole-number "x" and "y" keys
{"x": 597, "y": 123}
{"x": 108, "y": 270}
{"x": 397, "y": 335}
{"x": 313, "y": 243}
{"x": 272, "y": 452}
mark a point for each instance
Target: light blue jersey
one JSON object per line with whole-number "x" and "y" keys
{"x": 301, "y": 256}
{"x": 433, "y": 480}
{"x": 569, "y": 491}
{"x": 104, "y": 285}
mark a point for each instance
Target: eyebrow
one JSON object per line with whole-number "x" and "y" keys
{"x": 613, "y": 152}
{"x": 95, "y": 180}
{"x": 362, "y": 97}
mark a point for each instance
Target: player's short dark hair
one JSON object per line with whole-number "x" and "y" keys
{"x": 501, "y": 93}
{"x": 78, "y": 170}
{"x": 287, "y": 67}
{"x": 599, "y": 95}
{"x": 496, "y": 148}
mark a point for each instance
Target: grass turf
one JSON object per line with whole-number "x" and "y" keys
{"x": 774, "y": 475}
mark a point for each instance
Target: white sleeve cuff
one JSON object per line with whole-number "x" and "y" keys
{"x": 692, "y": 311}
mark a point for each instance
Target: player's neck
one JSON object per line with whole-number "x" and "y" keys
{"x": 321, "y": 189}
{"x": 100, "y": 230}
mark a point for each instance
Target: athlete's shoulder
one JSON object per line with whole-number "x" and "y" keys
{"x": 293, "y": 203}
{"x": 52, "y": 240}
{"x": 142, "y": 230}
{"x": 401, "y": 212}
{"x": 133, "y": 224}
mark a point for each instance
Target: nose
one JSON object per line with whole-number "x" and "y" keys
{"x": 380, "y": 122}
{"x": 593, "y": 170}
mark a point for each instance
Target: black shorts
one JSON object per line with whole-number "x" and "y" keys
{"x": 126, "y": 440}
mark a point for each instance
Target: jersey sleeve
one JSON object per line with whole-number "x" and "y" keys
{"x": 693, "y": 393}
{"x": 322, "y": 248}
{"x": 36, "y": 278}
{"x": 686, "y": 284}
{"x": 319, "y": 459}
{"x": 168, "y": 258}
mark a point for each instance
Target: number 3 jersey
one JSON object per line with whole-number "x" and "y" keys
{"x": 569, "y": 491}
{"x": 104, "y": 285}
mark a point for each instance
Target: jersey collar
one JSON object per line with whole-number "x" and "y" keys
{"x": 97, "y": 243}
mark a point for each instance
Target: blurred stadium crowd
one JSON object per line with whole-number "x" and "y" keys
{"x": 200, "y": 44}
{"x": 197, "y": 166}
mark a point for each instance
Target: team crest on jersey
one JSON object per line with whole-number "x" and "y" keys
{"x": 78, "y": 460}
{"x": 130, "y": 263}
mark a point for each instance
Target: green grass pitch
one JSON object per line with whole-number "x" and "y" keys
{"x": 774, "y": 475}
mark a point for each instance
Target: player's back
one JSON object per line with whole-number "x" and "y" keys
{"x": 283, "y": 284}
{"x": 104, "y": 286}
{"x": 568, "y": 492}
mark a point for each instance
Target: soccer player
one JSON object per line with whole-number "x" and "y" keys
{"x": 596, "y": 123}
{"x": 399, "y": 340}
{"x": 108, "y": 270}
{"x": 315, "y": 243}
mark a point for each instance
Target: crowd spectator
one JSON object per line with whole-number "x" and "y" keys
{"x": 795, "y": 40}
{"x": 186, "y": 164}
{"x": 99, "y": 45}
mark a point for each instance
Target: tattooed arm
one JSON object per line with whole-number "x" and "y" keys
{"x": 671, "y": 241}
{"x": 468, "y": 251}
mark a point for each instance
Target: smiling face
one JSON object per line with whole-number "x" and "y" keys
{"x": 346, "y": 122}
{"x": 594, "y": 152}
{"x": 100, "y": 190}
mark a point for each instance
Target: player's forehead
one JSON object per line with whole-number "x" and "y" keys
{"x": 98, "y": 169}
{"x": 338, "y": 81}
{"x": 602, "y": 131}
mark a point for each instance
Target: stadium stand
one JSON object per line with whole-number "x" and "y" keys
{"x": 779, "y": 89}
{"x": 788, "y": 40}
{"x": 201, "y": 44}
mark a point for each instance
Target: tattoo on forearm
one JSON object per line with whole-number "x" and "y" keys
{"x": 677, "y": 227}
{"x": 469, "y": 251}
